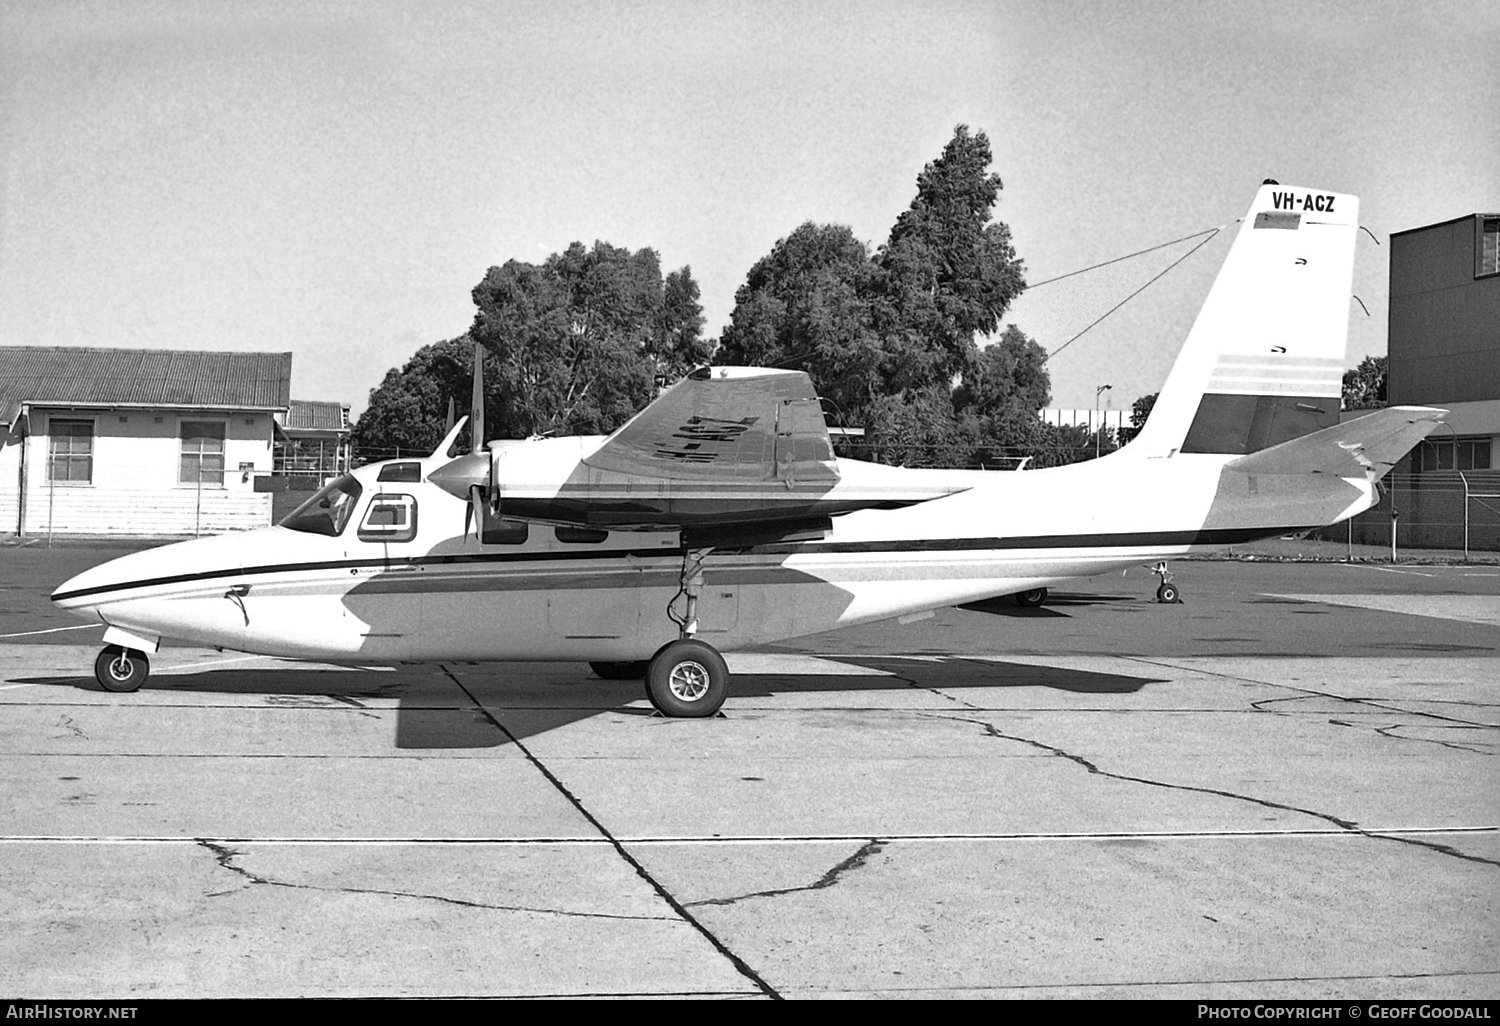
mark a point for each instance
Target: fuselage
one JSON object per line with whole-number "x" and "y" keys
{"x": 391, "y": 570}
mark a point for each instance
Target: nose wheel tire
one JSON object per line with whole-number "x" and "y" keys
{"x": 1030, "y": 599}
{"x": 121, "y": 669}
{"x": 1168, "y": 594}
{"x": 687, "y": 678}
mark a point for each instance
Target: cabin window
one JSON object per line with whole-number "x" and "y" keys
{"x": 70, "y": 451}
{"x": 328, "y": 511}
{"x": 390, "y": 518}
{"x": 580, "y": 535}
{"x": 497, "y": 531}
{"x": 402, "y": 473}
{"x": 202, "y": 454}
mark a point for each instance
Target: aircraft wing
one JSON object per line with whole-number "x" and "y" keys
{"x": 1367, "y": 446}
{"x": 731, "y": 454}
{"x": 727, "y": 424}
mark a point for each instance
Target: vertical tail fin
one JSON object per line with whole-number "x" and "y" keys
{"x": 1264, "y": 360}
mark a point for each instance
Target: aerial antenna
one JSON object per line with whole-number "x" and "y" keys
{"x": 1208, "y": 232}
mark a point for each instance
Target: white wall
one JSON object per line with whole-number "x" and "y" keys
{"x": 135, "y": 488}
{"x": 10, "y": 483}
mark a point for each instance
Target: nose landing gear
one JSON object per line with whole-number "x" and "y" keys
{"x": 121, "y": 669}
{"x": 1166, "y": 591}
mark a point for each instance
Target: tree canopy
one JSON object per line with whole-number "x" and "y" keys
{"x": 575, "y": 344}
{"x": 408, "y": 411}
{"x": 572, "y": 346}
{"x": 1364, "y": 386}
{"x": 889, "y": 339}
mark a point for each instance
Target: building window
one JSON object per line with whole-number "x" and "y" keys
{"x": 1487, "y": 252}
{"x": 202, "y": 453}
{"x": 1452, "y": 454}
{"x": 70, "y": 451}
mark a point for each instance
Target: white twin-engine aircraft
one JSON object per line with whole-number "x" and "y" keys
{"x": 718, "y": 518}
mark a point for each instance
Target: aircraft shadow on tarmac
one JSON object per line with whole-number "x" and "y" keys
{"x": 433, "y": 712}
{"x": 1006, "y": 606}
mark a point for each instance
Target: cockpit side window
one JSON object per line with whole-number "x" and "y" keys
{"x": 391, "y": 518}
{"x": 328, "y": 511}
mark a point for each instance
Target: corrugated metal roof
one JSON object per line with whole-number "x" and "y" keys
{"x": 68, "y": 375}
{"x": 316, "y": 415}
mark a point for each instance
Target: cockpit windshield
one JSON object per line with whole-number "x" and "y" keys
{"x": 327, "y": 511}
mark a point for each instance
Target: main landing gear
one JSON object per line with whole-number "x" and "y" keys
{"x": 687, "y": 677}
{"x": 1166, "y": 591}
{"x": 1030, "y": 599}
{"x": 121, "y": 669}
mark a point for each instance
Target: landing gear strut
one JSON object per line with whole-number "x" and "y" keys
{"x": 121, "y": 669}
{"x": 1166, "y": 591}
{"x": 688, "y": 677}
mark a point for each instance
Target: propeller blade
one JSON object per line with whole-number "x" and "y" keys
{"x": 476, "y": 403}
{"x": 449, "y": 426}
{"x": 474, "y": 511}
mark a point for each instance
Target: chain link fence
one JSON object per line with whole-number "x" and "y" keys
{"x": 1445, "y": 514}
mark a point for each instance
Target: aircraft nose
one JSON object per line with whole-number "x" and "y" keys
{"x": 114, "y": 579}
{"x": 74, "y": 593}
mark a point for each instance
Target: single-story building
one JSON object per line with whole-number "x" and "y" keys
{"x": 312, "y": 441}
{"x": 136, "y": 441}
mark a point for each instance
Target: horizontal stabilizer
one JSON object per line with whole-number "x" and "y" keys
{"x": 1367, "y": 446}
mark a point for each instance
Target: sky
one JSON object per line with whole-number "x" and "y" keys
{"x": 334, "y": 178}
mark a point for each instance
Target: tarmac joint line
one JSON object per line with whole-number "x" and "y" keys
{"x": 740, "y": 965}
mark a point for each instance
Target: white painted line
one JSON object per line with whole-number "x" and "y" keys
{"x": 55, "y": 630}
{"x": 1387, "y": 569}
{"x": 758, "y": 839}
{"x": 12, "y": 687}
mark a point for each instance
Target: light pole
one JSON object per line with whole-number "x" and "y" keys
{"x": 1098, "y": 432}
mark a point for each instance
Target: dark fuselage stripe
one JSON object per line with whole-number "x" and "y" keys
{"x": 1145, "y": 539}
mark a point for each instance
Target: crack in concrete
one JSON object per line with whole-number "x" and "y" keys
{"x": 1312, "y": 693}
{"x": 874, "y": 846}
{"x": 740, "y": 965}
{"x": 1388, "y": 732}
{"x": 1343, "y": 824}
{"x": 225, "y": 856}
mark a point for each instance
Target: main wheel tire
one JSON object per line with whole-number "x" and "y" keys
{"x": 1168, "y": 594}
{"x": 121, "y": 669}
{"x": 687, "y": 678}
{"x": 621, "y": 671}
{"x": 1030, "y": 599}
